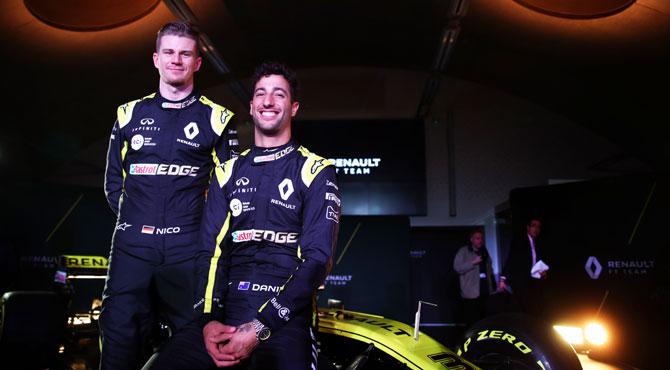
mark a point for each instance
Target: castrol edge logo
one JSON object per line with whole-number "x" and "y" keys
{"x": 152, "y": 169}
{"x": 268, "y": 235}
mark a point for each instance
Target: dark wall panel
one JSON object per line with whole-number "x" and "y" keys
{"x": 372, "y": 275}
{"x": 37, "y": 229}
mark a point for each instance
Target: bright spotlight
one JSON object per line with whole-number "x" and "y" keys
{"x": 596, "y": 334}
{"x": 571, "y": 334}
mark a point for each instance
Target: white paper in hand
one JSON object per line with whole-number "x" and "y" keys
{"x": 538, "y": 269}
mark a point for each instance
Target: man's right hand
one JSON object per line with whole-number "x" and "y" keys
{"x": 215, "y": 335}
{"x": 477, "y": 260}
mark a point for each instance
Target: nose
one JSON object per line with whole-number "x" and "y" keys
{"x": 176, "y": 58}
{"x": 268, "y": 100}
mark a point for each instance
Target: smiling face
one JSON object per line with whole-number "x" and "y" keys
{"x": 177, "y": 60}
{"x": 272, "y": 107}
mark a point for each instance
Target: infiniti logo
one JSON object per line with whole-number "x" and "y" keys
{"x": 147, "y": 121}
{"x": 242, "y": 181}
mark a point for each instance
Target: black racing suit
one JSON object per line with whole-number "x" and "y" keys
{"x": 159, "y": 164}
{"x": 268, "y": 235}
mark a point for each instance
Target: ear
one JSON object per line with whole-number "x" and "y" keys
{"x": 294, "y": 108}
{"x": 251, "y": 108}
{"x": 198, "y": 63}
{"x": 155, "y": 59}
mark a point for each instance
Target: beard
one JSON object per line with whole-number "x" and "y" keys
{"x": 268, "y": 128}
{"x": 176, "y": 82}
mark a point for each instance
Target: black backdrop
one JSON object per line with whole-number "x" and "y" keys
{"x": 372, "y": 275}
{"x": 36, "y": 232}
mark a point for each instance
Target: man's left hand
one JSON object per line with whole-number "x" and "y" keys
{"x": 242, "y": 343}
{"x": 214, "y": 334}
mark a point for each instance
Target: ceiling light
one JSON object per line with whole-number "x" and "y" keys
{"x": 577, "y": 8}
{"x": 87, "y": 15}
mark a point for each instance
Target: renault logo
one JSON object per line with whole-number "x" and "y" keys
{"x": 191, "y": 130}
{"x": 593, "y": 267}
{"x": 285, "y": 189}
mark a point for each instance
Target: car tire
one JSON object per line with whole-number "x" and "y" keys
{"x": 517, "y": 341}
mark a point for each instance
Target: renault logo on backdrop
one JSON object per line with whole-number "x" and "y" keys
{"x": 593, "y": 267}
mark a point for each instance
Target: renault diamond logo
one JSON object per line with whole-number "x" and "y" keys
{"x": 191, "y": 130}
{"x": 286, "y": 188}
{"x": 593, "y": 267}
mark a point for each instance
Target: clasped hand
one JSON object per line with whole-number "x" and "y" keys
{"x": 227, "y": 345}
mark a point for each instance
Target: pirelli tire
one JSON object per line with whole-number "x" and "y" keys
{"x": 517, "y": 341}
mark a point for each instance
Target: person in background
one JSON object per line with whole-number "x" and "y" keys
{"x": 476, "y": 281}
{"x": 527, "y": 286}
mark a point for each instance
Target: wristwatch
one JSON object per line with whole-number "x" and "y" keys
{"x": 262, "y": 331}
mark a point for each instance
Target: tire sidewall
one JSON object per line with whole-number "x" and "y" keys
{"x": 521, "y": 339}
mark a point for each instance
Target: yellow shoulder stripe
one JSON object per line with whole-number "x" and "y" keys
{"x": 215, "y": 158}
{"x": 220, "y": 115}
{"x": 125, "y": 111}
{"x": 224, "y": 172}
{"x": 312, "y": 166}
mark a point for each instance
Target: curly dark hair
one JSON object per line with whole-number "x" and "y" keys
{"x": 182, "y": 29}
{"x": 280, "y": 69}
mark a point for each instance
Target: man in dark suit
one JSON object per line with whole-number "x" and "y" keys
{"x": 524, "y": 253}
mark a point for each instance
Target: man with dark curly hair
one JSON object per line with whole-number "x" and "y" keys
{"x": 268, "y": 235}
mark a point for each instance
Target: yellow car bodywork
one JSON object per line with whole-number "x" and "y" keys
{"x": 389, "y": 336}
{"x": 392, "y": 337}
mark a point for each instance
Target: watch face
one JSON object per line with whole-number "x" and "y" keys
{"x": 264, "y": 334}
